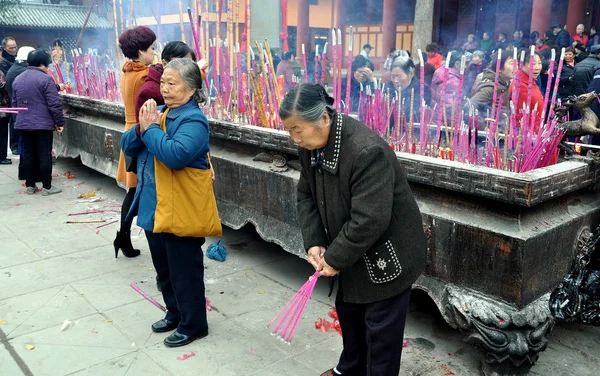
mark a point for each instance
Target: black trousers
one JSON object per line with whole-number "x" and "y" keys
{"x": 15, "y": 134}
{"x": 4, "y": 125}
{"x": 40, "y": 142}
{"x": 179, "y": 267}
{"x": 372, "y": 335}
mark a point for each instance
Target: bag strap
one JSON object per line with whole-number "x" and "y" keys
{"x": 163, "y": 120}
{"x": 209, "y": 160}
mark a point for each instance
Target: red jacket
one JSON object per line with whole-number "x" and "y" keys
{"x": 536, "y": 98}
{"x": 150, "y": 89}
{"x": 436, "y": 60}
{"x": 583, "y": 39}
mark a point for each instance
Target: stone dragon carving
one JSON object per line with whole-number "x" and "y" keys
{"x": 510, "y": 339}
{"x": 589, "y": 124}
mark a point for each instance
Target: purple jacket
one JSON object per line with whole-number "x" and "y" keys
{"x": 36, "y": 90}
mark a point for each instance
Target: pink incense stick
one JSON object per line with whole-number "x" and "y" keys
{"x": 324, "y": 64}
{"x": 334, "y": 60}
{"x": 349, "y": 73}
{"x": 442, "y": 99}
{"x": 317, "y": 64}
{"x": 530, "y": 83}
{"x": 458, "y": 107}
{"x": 340, "y": 60}
{"x": 422, "y": 135}
{"x": 148, "y": 297}
{"x": 305, "y": 66}
{"x": 550, "y": 75}
{"x": 288, "y": 318}
{"x": 557, "y": 82}
{"x": 194, "y": 33}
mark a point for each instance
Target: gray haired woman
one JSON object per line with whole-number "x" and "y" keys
{"x": 171, "y": 139}
{"x": 359, "y": 220}
{"x": 403, "y": 81}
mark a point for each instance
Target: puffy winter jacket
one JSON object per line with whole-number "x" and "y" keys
{"x": 584, "y": 73}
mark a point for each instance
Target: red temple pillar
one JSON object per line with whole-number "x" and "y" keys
{"x": 302, "y": 33}
{"x": 575, "y": 15}
{"x": 389, "y": 27}
{"x": 540, "y": 16}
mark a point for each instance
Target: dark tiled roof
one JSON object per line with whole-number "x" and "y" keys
{"x": 47, "y": 16}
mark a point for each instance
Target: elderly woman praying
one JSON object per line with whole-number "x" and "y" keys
{"x": 359, "y": 220}
{"x": 174, "y": 200}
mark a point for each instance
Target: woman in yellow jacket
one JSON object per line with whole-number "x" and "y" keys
{"x": 175, "y": 201}
{"x": 137, "y": 44}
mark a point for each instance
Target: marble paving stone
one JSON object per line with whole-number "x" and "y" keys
{"x": 51, "y": 244}
{"x": 229, "y": 350}
{"x": 286, "y": 367}
{"x": 56, "y": 271}
{"x": 53, "y": 359}
{"x": 112, "y": 289}
{"x": 266, "y": 299}
{"x": 91, "y": 341}
{"x": 17, "y": 310}
{"x": 135, "y": 364}
{"x": 144, "y": 365}
{"x": 8, "y": 366}
{"x": 49, "y": 312}
{"x": 14, "y": 251}
{"x": 94, "y": 330}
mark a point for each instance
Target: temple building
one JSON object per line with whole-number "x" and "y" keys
{"x": 35, "y": 23}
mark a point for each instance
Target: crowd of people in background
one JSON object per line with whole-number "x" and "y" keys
{"x": 580, "y": 70}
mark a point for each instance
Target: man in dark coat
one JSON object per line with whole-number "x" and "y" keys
{"x": 584, "y": 71}
{"x": 359, "y": 220}
{"x": 563, "y": 38}
{"x": 9, "y": 51}
{"x": 595, "y": 106}
{"x": 19, "y": 66}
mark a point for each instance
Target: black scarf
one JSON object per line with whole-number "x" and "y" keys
{"x": 7, "y": 56}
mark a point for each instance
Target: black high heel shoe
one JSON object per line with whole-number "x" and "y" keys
{"x": 123, "y": 242}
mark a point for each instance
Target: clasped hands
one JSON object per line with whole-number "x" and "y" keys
{"x": 149, "y": 114}
{"x": 316, "y": 258}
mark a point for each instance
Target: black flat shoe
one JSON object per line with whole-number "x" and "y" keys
{"x": 177, "y": 339}
{"x": 164, "y": 325}
{"x": 5, "y": 161}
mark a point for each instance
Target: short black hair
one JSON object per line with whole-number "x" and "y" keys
{"x": 176, "y": 49}
{"x": 38, "y": 58}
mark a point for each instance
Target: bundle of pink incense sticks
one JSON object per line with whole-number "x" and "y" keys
{"x": 288, "y": 318}
{"x": 12, "y": 110}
